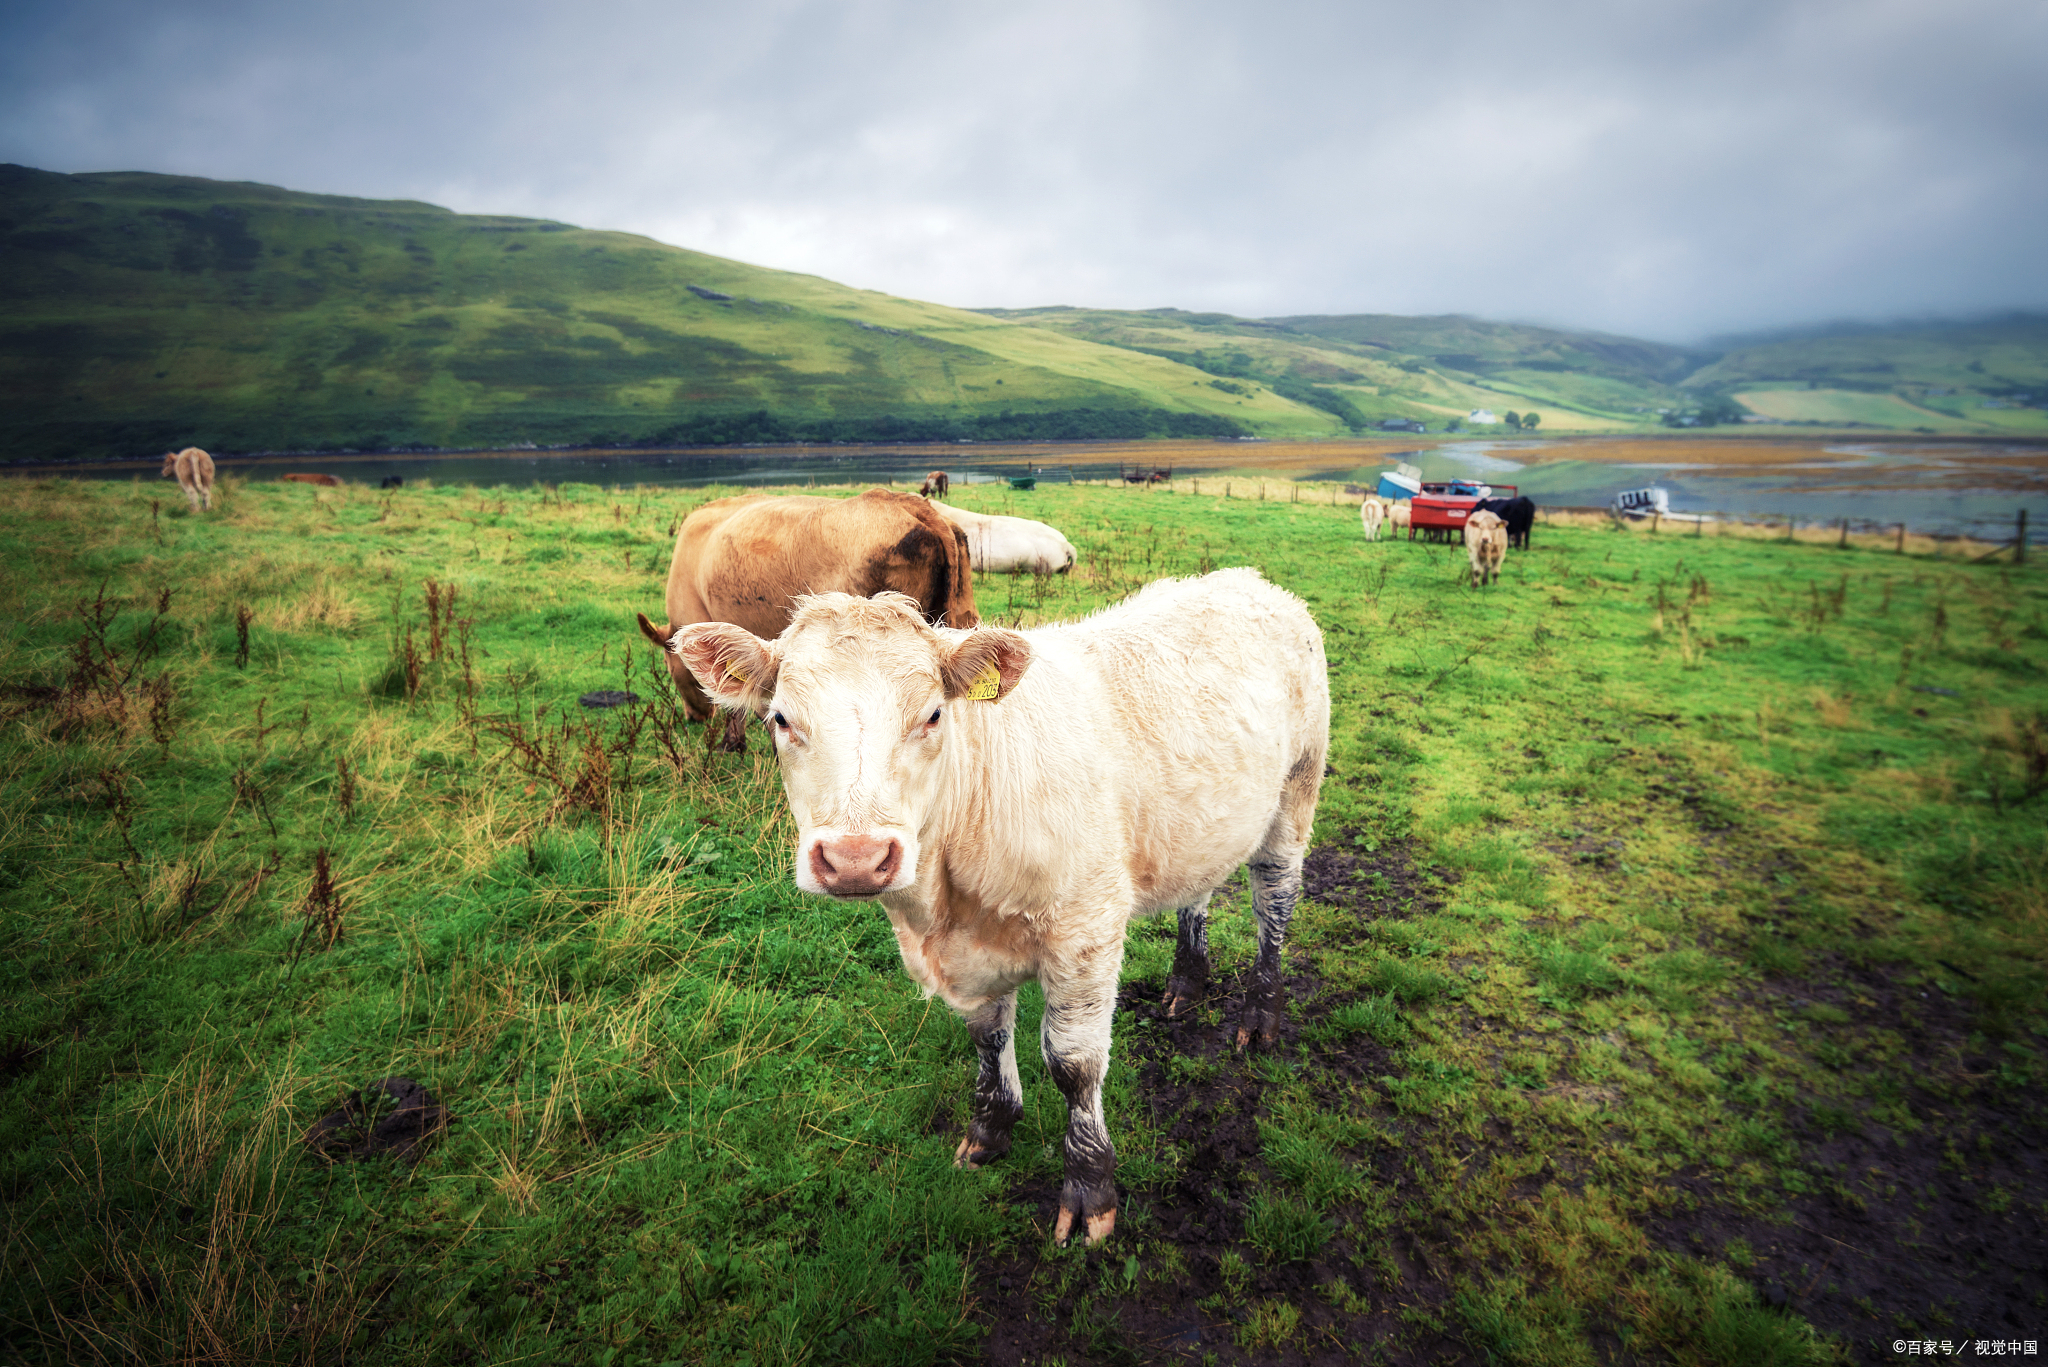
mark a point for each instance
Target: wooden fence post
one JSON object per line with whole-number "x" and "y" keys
{"x": 2019, "y": 545}
{"x": 1900, "y": 549}
{"x": 1844, "y": 542}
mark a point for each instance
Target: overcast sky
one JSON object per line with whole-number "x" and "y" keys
{"x": 1662, "y": 168}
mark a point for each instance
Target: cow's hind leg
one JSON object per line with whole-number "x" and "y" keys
{"x": 1276, "y": 887}
{"x": 1189, "y": 981}
{"x": 998, "y": 1095}
{"x": 1075, "y": 1039}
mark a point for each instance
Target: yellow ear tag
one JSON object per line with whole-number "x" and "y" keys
{"x": 735, "y": 672}
{"x": 986, "y": 685}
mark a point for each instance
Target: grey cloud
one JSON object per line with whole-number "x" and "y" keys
{"x": 1669, "y": 170}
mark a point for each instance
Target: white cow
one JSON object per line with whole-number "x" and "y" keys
{"x": 1011, "y": 545}
{"x": 1486, "y": 545}
{"x": 194, "y": 471}
{"x": 1013, "y": 798}
{"x": 1372, "y": 515}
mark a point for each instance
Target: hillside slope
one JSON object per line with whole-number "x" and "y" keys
{"x": 144, "y": 311}
{"x": 1986, "y": 378}
{"x": 1989, "y": 374}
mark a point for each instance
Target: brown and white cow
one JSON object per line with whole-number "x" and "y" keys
{"x": 1011, "y": 545}
{"x": 322, "y": 481}
{"x": 1014, "y": 798}
{"x": 745, "y": 560}
{"x": 1486, "y": 545}
{"x": 936, "y": 485}
{"x": 194, "y": 470}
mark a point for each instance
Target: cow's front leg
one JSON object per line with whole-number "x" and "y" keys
{"x": 1276, "y": 887}
{"x": 998, "y": 1095}
{"x": 1075, "y": 1039}
{"x": 1189, "y": 981}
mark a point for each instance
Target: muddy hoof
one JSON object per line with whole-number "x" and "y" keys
{"x": 1099, "y": 1227}
{"x": 972, "y": 1153}
{"x": 1183, "y": 995}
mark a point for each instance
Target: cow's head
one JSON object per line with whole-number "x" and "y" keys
{"x": 859, "y": 695}
{"x": 170, "y": 464}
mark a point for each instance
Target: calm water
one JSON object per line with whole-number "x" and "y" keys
{"x": 1972, "y": 490}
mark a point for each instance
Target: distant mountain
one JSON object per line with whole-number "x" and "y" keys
{"x": 1987, "y": 377}
{"x": 140, "y": 312}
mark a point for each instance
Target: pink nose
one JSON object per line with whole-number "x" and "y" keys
{"x": 855, "y": 865}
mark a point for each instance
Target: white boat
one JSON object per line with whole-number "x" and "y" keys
{"x": 1642, "y": 502}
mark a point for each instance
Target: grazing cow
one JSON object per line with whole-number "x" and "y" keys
{"x": 194, "y": 470}
{"x": 1486, "y": 545}
{"x": 744, "y": 560}
{"x": 1373, "y": 515}
{"x": 1013, "y": 798}
{"x": 1398, "y": 517}
{"x": 1519, "y": 514}
{"x": 936, "y": 485}
{"x": 392, "y": 482}
{"x": 324, "y": 481}
{"x": 1011, "y": 545}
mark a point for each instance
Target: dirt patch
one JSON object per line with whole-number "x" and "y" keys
{"x": 1208, "y": 1101}
{"x": 1929, "y": 1226}
{"x": 393, "y": 1115}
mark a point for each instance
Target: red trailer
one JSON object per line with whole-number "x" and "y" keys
{"x": 1440, "y": 510}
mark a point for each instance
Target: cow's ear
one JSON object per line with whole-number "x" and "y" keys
{"x": 736, "y": 667}
{"x": 658, "y": 634}
{"x": 984, "y": 665}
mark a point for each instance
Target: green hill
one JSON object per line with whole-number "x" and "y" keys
{"x": 1983, "y": 378}
{"x": 1988, "y": 374}
{"x": 1378, "y": 366}
{"x": 145, "y": 311}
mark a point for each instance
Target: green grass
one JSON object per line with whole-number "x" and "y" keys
{"x": 698, "y": 1115}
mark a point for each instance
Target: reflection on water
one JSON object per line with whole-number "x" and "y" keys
{"x": 1939, "y": 489}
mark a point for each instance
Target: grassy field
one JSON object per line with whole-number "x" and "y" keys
{"x": 1841, "y": 408}
{"x": 1670, "y": 987}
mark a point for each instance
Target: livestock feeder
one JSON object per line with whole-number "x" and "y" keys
{"x": 1440, "y": 510}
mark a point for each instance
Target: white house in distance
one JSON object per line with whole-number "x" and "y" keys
{"x": 1481, "y": 415}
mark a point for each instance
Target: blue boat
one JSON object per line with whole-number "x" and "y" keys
{"x": 1398, "y": 484}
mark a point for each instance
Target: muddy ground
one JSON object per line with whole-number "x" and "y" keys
{"x": 1936, "y": 1233}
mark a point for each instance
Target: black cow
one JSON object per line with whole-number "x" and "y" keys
{"x": 393, "y": 482}
{"x": 1518, "y": 513}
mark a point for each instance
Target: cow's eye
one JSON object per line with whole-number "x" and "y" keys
{"x": 933, "y": 720}
{"x": 780, "y": 721}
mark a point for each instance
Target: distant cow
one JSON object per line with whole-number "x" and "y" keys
{"x": 1011, "y": 545}
{"x": 1486, "y": 545}
{"x": 1372, "y": 514}
{"x": 392, "y": 482}
{"x": 936, "y": 485}
{"x": 194, "y": 470}
{"x": 1398, "y": 514}
{"x": 744, "y": 560}
{"x": 324, "y": 481}
{"x": 1014, "y": 798}
{"x": 1519, "y": 515}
